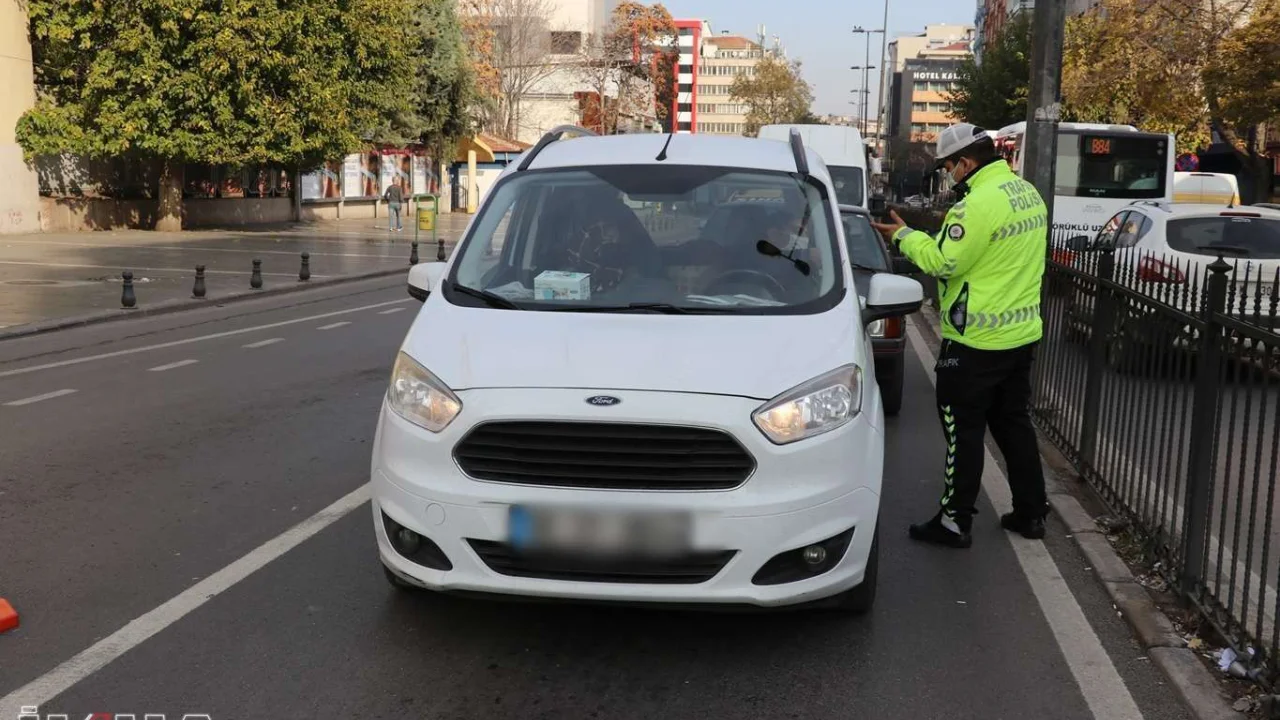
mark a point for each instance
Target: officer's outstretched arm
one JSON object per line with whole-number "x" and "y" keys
{"x": 955, "y": 249}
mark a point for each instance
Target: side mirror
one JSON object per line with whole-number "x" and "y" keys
{"x": 891, "y": 296}
{"x": 903, "y": 266}
{"x": 424, "y": 278}
{"x": 1079, "y": 243}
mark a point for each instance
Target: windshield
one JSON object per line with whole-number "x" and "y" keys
{"x": 848, "y": 182}
{"x": 1249, "y": 237}
{"x": 1111, "y": 166}
{"x": 863, "y": 242}
{"x": 687, "y": 238}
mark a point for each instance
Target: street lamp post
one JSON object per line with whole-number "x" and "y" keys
{"x": 866, "y": 68}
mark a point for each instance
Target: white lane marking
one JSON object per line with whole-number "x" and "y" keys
{"x": 57, "y": 681}
{"x": 172, "y": 365}
{"x": 137, "y": 270}
{"x": 1100, "y": 684}
{"x": 107, "y": 246}
{"x": 202, "y": 338}
{"x": 331, "y": 326}
{"x": 40, "y": 398}
{"x": 263, "y": 343}
{"x": 392, "y": 310}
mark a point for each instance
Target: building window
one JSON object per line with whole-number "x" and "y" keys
{"x": 684, "y": 87}
{"x": 684, "y": 125}
{"x": 566, "y": 42}
{"x": 919, "y": 107}
{"x": 686, "y": 68}
{"x": 940, "y": 107}
{"x": 686, "y": 32}
{"x": 684, "y": 107}
{"x": 920, "y": 86}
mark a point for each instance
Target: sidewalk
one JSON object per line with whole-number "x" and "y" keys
{"x": 49, "y": 276}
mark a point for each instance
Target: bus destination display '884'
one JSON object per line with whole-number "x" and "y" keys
{"x": 1099, "y": 170}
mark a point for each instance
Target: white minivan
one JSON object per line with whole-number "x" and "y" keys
{"x": 586, "y": 410}
{"x": 844, "y": 153}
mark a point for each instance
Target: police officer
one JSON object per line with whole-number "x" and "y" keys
{"x": 989, "y": 259}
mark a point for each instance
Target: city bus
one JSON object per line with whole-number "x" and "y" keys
{"x": 1100, "y": 169}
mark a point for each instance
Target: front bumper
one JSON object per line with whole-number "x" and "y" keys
{"x": 798, "y": 495}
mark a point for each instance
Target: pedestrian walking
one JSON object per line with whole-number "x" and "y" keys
{"x": 989, "y": 259}
{"x": 395, "y": 198}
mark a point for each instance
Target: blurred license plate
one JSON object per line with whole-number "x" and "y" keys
{"x": 599, "y": 532}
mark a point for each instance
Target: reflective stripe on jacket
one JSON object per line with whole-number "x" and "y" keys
{"x": 989, "y": 260}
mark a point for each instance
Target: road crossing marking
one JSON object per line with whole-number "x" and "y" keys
{"x": 188, "y": 341}
{"x": 1100, "y": 683}
{"x": 57, "y": 681}
{"x": 331, "y": 326}
{"x": 40, "y": 398}
{"x": 263, "y": 343}
{"x": 172, "y": 365}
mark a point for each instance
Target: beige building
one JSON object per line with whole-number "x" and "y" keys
{"x": 19, "y": 189}
{"x": 725, "y": 58}
{"x": 938, "y": 42}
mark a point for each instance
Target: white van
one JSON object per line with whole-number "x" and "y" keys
{"x": 581, "y": 412}
{"x": 1203, "y": 188}
{"x": 842, "y": 149}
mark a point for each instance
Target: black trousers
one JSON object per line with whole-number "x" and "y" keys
{"x": 977, "y": 390}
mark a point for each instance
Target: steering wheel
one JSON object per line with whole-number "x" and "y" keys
{"x": 768, "y": 279}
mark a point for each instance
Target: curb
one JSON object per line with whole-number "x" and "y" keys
{"x": 8, "y": 616}
{"x": 1196, "y": 686}
{"x": 172, "y": 306}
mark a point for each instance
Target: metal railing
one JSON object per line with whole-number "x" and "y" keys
{"x": 1159, "y": 379}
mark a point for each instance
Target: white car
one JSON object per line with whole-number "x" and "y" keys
{"x": 578, "y": 412}
{"x": 1163, "y": 250}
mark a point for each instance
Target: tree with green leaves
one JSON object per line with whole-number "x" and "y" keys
{"x": 993, "y": 93}
{"x": 226, "y": 82}
{"x": 776, "y": 93}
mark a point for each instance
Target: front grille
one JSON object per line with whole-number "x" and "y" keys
{"x": 688, "y": 569}
{"x": 612, "y": 456}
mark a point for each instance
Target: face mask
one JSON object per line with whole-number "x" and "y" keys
{"x": 956, "y": 177}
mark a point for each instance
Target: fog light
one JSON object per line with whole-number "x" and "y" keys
{"x": 815, "y": 554}
{"x": 407, "y": 541}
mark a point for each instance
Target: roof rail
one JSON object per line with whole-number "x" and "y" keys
{"x": 797, "y": 151}
{"x": 549, "y": 137}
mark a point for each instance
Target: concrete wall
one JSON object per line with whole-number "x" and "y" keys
{"x": 210, "y": 212}
{"x": 77, "y": 214}
{"x": 19, "y": 190}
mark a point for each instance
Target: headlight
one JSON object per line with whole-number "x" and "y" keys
{"x": 876, "y": 328}
{"x": 420, "y": 397}
{"x": 820, "y": 405}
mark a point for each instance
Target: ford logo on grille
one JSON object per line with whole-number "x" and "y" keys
{"x": 603, "y": 400}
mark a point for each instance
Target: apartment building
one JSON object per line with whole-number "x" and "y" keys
{"x": 19, "y": 190}
{"x": 708, "y": 65}
{"x": 924, "y": 70}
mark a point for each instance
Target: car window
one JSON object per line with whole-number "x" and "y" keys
{"x": 1233, "y": 236}
{"x": 863, "y": 242}
{"x": 1107, "y": 235}
{"x": 1130, "y": 230}
{"x": 696, "y": 238}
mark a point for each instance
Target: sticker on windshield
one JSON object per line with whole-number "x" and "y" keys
{"x": 955, "y": 232}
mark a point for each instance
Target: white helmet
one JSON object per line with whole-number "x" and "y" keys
{"x": 956, "y": 138}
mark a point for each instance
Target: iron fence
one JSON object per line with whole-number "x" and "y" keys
{"x": 1158, "y": 377}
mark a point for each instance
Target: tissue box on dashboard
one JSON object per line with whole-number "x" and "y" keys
{"x": 558, "y": 285}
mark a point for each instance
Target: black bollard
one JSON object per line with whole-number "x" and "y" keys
{"x": 413, "y": 254}
{"x": 255, "y": 280}
{"x": 199, "y": 290}
{"x": 127, "y": 298}
{"x": 304, "y": 274}
{"x": 440, "y": 250}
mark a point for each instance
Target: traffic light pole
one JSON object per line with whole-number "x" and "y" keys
{"x": 1044, "y": 106}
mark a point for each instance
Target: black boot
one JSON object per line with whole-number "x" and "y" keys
{"x": 1031, "y": 528}
{"x": 936, "y": 533}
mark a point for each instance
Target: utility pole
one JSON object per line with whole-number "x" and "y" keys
{"x": 1044, "y": 106}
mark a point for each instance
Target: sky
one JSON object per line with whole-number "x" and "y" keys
{"x": 820, "y": 35}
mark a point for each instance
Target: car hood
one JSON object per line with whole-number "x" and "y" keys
{"x": 755, "y": 356}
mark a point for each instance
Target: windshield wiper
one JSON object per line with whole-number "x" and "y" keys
{"x": 867, "y": 268}
{"x": 492, "y": 300}
{"x": 768, "y": 249}
{"x": 664, "y": 308}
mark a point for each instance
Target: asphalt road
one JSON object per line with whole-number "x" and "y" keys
{"x": 156, "y": 455}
